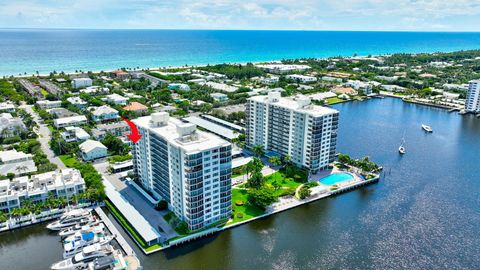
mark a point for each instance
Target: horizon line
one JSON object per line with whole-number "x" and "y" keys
{"x": 220, "y": 29}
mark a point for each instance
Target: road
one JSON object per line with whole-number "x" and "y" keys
{"x": 44, "y": 136}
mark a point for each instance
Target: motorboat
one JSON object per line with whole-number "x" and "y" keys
{"x": 82, "y": 259}
{"x": 116, "y": 261}
{"x": 70, "y": 219}
{"x": 93, "y": 226}
{"x": 427, "y": 128}
{"x": 401, "y": 149}
{"x": 75, "y": 243}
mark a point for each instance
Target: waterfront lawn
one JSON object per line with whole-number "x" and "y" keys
{"x": 242, "y": 210}
{"x": 334, "y": 100}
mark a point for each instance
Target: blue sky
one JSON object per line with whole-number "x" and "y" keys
{"x": 377, "y": 15}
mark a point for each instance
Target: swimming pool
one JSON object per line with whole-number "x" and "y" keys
{"x": 335, "y": 178}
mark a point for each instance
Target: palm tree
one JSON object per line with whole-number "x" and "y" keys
{"x": 259, "y": 150}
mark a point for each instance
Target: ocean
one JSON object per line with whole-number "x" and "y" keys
{"x": 47, "y": 50}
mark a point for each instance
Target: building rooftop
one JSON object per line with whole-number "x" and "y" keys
{"x": 104, "y": 109}
{"x": 180, "y": 134}
{"x": 135, "y": 106}
{"x": 212, "y": 127}
{"x": 298, "y": 103}
{"x": 90, "y": 145}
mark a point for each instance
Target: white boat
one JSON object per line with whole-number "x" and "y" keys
{"x": 401, "y": 149}
{"x": 70, "y": 219}
{"x": 74, "y": 244}
{"x": 116, "y": 261}
{"x": 82, "y": 259}
{"x": 92, "y": 226}
{"x": 427, "y": 128}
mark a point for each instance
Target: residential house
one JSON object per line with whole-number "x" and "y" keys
{"x": 10, "y": 126}
{"x": 136, "y": 107}
{"x": 15, "y": 162}
{"x": 77, "y": 120}
{"x": 116, "y": 99}
{"x": 75, "y": 134}
{"x": 117, "y": 129}
{"x": 48, "y": 104}
{"x": 7, "y": 107}
{"x": 78, "y": 83}
{"x": 77, "y": 102}
{"x": 91, "y": 150}
{"x": 219, "y": 97}
{"x": 104, "y": 113}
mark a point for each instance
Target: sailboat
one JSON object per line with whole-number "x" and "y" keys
{"x": 401, "y": 149}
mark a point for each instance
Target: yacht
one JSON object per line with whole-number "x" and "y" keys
{"x": 82, "y": 259}
{"x": 74, "y": 243}
{"x": 70, "y": 219}
{"x": 93, "y": 226}
{"x": 116, "y": 261}
{"x": 427, "y": 128}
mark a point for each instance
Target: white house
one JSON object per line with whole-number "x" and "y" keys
{"x": 10, "y": 126}
{"x": 77, "y": 120}
{"x": 301, "y": 78}
{"x": 116, "y": 99}
{"x": 48, "y": 104}
{"x": 104, "y": 113}
{"x": 81, "y": 82}
{"x": 91, "y": 150}
{"x": 181, "y": 86}
{"x": 15, "y": 162}
{"x": 75, "y": 134}
{"x": 7, "y": 107}
{"x": 77, "y": 102}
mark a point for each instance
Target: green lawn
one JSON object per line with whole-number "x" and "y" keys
{"x": 247, "y": 211}
{"x": 69, "y": 161}
{"x": 44, "y": 92}
{"x": 334, "y": 100}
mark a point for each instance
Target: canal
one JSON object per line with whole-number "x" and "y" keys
{"x": 423, "y": 214}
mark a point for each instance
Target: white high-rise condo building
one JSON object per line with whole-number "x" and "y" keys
{"x": 294, "y": 127}
{"x": 472, "y": 104}
{"x": 190, "y": 169}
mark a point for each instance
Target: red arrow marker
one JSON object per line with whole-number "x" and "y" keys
{"x": 134, "y": 136}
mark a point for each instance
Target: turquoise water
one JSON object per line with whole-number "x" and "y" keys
{"x": 46, "y": 50}
{"x": 336, "y": 178}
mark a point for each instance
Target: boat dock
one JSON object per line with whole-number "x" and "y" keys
{"x": 121, "y": 241}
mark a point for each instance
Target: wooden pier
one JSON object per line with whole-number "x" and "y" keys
{"x": 121, "y": 241}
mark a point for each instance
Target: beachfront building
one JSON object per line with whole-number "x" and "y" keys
{"x": 91, "y": 150}
{"x": 10, "y": 126}
{"x": 78, "y": 83}
{"x": 294, "y": 127}
{"x": 472, "y": 104}
{"x": 15, "y": 162}
{"x": 64, "y": 183}
{"x": 188, "y": 168}
{"x": 279, "y": 68}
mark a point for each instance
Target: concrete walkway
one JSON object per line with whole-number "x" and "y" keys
{"x": 44, "y": 136}
{"x": 266, "y": 171}
{"x": 118, "y": 236}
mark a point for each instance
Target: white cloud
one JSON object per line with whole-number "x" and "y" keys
{"x": 234, "y": 14}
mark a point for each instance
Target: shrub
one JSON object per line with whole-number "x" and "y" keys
{"x": 239, "y": 215}
{"x": 161, "y": 205}
{"x": 304, "y": 192}
{"x": 238, "y": 203}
